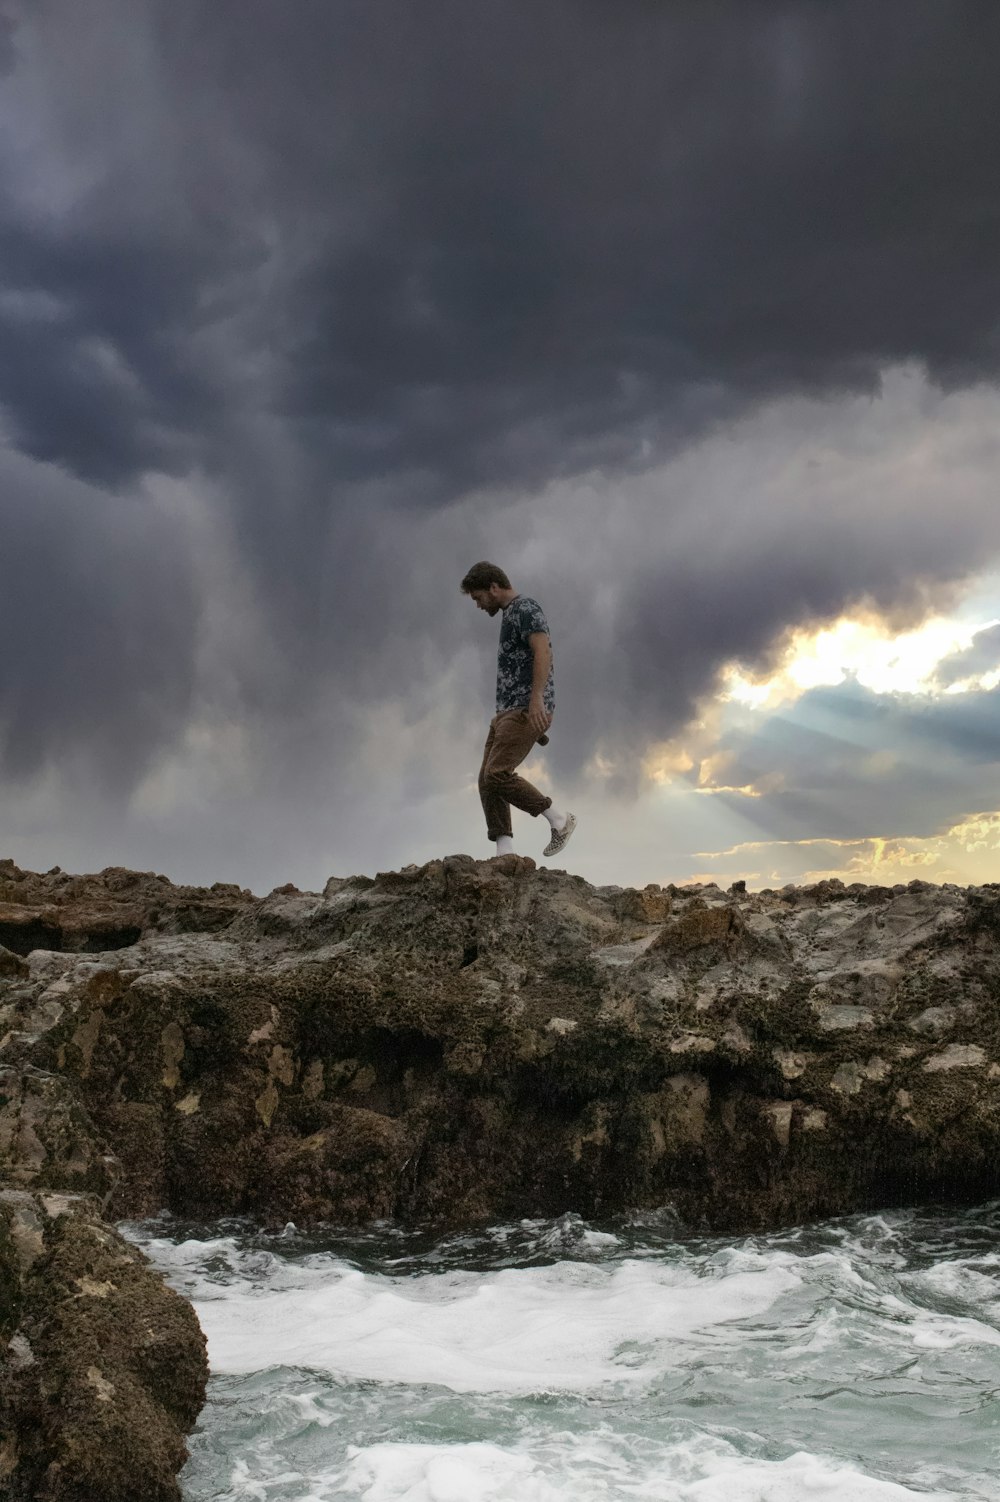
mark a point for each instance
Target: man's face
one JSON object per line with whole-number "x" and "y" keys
{"x": 486, "y": 599}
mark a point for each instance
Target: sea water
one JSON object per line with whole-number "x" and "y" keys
{"x": 558, "y": 1361}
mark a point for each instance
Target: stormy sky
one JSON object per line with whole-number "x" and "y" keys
{"x": 686, "y": 314}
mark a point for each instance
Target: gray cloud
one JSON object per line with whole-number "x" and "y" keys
{"x": 981, "y": 656}
{"x": 480, "y": 244}
{"x": 811, "y": 508}
{"x": 100, "y": 623}
{"x": 847, "y": 763}
{"x": 388, "y": 288}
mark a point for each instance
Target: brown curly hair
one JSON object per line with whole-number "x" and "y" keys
{"x": 482, "y": 575}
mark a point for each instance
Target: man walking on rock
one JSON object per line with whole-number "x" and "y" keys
{"x": 525, "y": 704}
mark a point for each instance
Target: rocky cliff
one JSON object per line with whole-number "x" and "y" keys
{"x": 467, "y": 1040}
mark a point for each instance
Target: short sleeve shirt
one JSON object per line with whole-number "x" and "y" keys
{"x": 521, "y": 619}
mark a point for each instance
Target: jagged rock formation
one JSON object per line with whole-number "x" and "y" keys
{"x": 94, "y": 914}
{"x": 104, "y": 1368}
{"x": 465, "y": 1040}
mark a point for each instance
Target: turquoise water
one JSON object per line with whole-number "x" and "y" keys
{"x": 857, "y": 1360}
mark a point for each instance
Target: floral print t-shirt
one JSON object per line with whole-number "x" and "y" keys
{"x": 521, "y": 619}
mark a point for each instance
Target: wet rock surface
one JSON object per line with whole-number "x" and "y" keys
{"x": 469, "y": 1040}
{"x": 102, "y": 1367}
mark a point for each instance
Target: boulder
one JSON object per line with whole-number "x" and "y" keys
{"x": 102, "y": 1367}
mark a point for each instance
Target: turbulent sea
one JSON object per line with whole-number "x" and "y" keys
{"x": 560, "y": 1361}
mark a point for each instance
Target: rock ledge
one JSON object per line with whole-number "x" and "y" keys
{"x": 455, "y": 1042}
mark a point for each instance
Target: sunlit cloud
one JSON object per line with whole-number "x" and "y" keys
{"x": 744, "y": 845}
{"x": 966, "y": 852}
{"x": 865, "y": 648}
{"x": 979, "y": 683}
{"x": 943, "y": 657}
{"x": 978, "y": 832}
{"x": 668, "y": 760}
{"x": 747, "y": 790}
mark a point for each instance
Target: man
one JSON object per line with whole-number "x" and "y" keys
{"x": 525, "y": 704}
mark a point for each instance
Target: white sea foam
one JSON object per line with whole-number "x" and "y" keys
{"x": 568, "y": 1327}
{"x": 976, "y": 1285}
{"x": 942, "y": 1330}
{"x": 945, "y": 1333}
{"x": 800, "y": 1368}
{"x": 444, "y": 1473}
{"x": 593, "y": 1469}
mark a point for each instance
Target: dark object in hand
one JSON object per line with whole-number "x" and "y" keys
{"x": 543, "y": 740}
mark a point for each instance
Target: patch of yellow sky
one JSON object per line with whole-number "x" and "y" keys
{"x": 884, "y": 660}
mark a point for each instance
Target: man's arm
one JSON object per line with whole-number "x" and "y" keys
{"x": 541, "y": 661}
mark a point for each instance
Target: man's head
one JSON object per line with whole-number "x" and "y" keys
{"x": 488, "y": 586}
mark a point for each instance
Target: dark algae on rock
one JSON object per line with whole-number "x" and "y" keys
{"x": 455, "y": 1042}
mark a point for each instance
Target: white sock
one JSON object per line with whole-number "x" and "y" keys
{"x": 505, "y": 845}
{"x": 555, "y": 818}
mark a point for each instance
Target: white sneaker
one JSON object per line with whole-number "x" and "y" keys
{"x": 560, "y": 837}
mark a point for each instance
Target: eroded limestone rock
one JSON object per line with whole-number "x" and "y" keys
{"x": 102, "y": 1367}
{"x": 467, "y": 1040}
{"x": 454, "y": 1027}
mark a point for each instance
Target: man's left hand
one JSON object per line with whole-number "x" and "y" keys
{"x": 539, "y": 719}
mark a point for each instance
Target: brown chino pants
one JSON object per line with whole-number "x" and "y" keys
{"x": 508, "y": 743}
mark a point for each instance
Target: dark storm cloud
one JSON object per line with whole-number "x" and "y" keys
{"x": 345, "y": 264}
{"x": 565, "y": 231}
{"x": 100, "y": 622}
{"x": 510, "y": 241}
